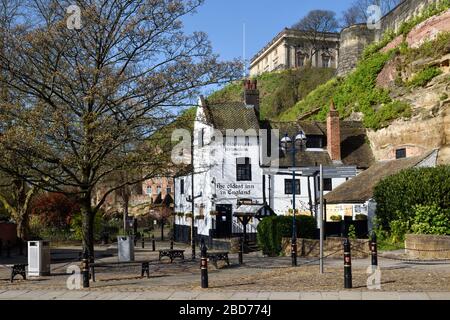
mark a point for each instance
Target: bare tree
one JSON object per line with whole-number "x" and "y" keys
{"x": 358, "y": 12}
{"x": 93, "y": 98}
{"x": 317, "y": 26}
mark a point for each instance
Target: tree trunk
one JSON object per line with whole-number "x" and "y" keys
{"x": 162, "y": 230}
{"x": 22, "y": 225}
{"x": 88, "y": 227}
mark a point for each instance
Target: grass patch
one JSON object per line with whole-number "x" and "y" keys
{"x": 279, "y": 91}
{"x": 386, "y": 245}
{"x": 356, "y": 92}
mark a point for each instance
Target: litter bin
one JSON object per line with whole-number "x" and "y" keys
{"x": 125, "y": 245}
{"x": 38, "y": 258}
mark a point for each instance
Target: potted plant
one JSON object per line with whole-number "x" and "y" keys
{"x": 188, "y": 215}
{"x": 213, "y": 213}
{"x": 336, "y": 218}
{"x": 360, "y": 217}
{"x": 200, "y": 217}
{"x": 180, "y": 214}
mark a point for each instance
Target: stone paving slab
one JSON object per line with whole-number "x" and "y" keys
{"x": 72, "y": 295}
{"x": 226, "y": 295}
{"x": 246, "y": 296}
{"x": 284, "y": 296}
{"x": 413, "y": 296}
{"x": 377, "y": 295}
{"x": 184, "y": 295}
{"x": 439, "y": 295}
{"x": 215, "y": 296}
{"x": 12, "y": 294}
{"x": 350, "y": 295}
{"x": 329, "y": 295}
{"x": 311, "y": 296}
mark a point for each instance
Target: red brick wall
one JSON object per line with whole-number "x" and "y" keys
{"x": 8, "y": 231}
{"x": 334, "y": 135}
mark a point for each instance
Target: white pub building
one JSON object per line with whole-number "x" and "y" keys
{"x": 242, "y": 168}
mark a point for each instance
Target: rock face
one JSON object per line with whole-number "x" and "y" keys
{"x": 416, "y": 136}
{"x": 429, "y": 127}
{"x": 429, "y": 29}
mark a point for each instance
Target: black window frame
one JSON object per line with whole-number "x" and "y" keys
{"x": 243, "y": 169}
{"x": 314, "y": 142}
{"x": 288, "y": 187}
{"x": 327, "y": 184}
{"x": 182, "y": 186}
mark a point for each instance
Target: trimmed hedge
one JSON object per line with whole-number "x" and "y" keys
{"x": 397, "y": 195}
{"x": 272, "y": 229}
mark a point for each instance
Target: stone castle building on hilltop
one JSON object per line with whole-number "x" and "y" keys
{"x": 341, "y": 51}
{"x": 290, "y": 49}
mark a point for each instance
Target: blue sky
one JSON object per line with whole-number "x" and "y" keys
{"x": 223, "y": 21}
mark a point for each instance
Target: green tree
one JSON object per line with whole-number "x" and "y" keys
{"x": 397, "y": 195}
{"x": 91, "y": 99}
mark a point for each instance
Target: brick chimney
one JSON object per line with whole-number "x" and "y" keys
{"x": 334, "y": 134}
{"x": 251, "y": 94}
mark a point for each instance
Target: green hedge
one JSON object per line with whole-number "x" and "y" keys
{"x": 398, "y": 195}
{"x": 272, "y": 229}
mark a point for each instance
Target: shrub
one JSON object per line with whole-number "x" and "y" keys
{"x": 424, "y": 76}
{"x": 271, "y": 230}
{"x": 431, "y": 219}
{"x": 398, "y": 230}
{"x": 352, "y": 232}
{"x": 54, "y": 209}
{"x": 397, "y": 195}
{"x": 76, "y": 226}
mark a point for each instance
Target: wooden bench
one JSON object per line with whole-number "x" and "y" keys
{"x": 145, "y": 266}
{"x": 17, "y": 269}
{"x": 171, "y": 253}
{"x": 215, "y": 256}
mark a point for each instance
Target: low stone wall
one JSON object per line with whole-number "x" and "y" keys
{"x": 311, "y": 248}
{"x": 8, "y": 231}
{"x": 424, "y": 246}
{"x": 231, "y": 245}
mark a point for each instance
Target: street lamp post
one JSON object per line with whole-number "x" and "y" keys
{"x": 286, "y": 142}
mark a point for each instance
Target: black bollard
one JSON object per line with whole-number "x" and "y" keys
{"x": 143, "y": 241}
{"x": 85, "y": 269}
{"x": 171, "y": 244}
{"x": 374, "y": 251}
{"x": 204, "y": 264}
{"x": 1, "y": 247}
{"x": 241, "y": 251}
{"x": 153, "y": 243}
{"x": 347, "y": 264}
{"x": 8, "y": 249}
{"x": 294, "y": 252}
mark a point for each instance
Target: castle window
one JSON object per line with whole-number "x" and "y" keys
{"x": 326, "y": 61}
{"x": 301, "y": 59}
{"x": 182, "y": 186}
{"x": 400, "y": 153}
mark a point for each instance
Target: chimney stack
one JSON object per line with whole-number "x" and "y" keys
{"x": 334, "y": 134}
{"x": 251, "y": 94}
